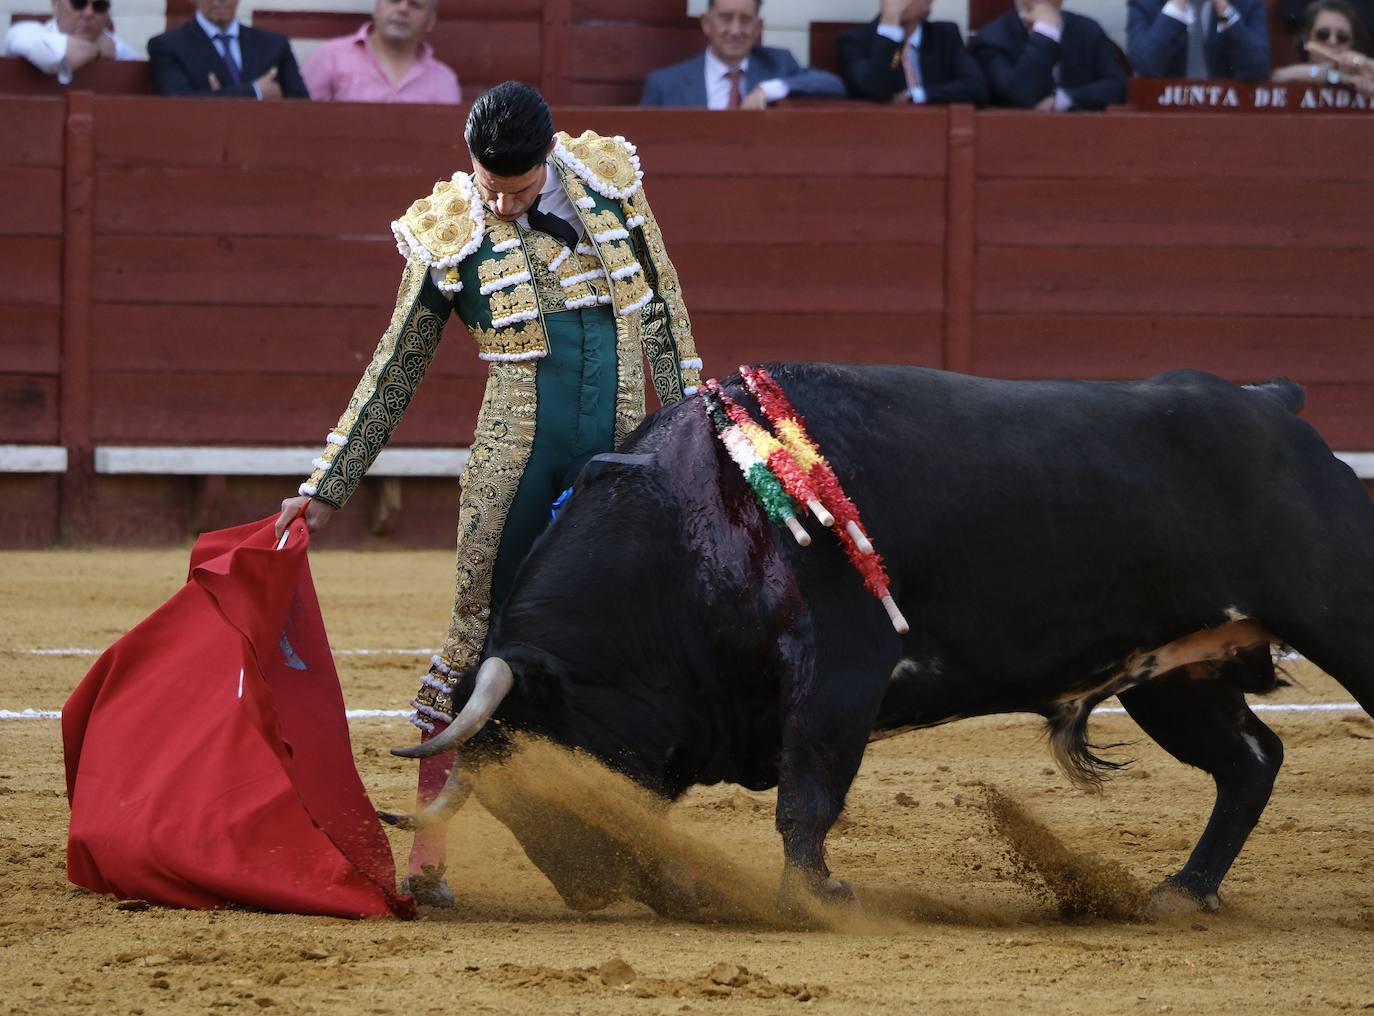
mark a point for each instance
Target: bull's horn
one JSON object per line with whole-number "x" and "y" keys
{"x": 494, "y": 681}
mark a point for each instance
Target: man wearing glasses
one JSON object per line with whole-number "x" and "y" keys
{"x": 79, "y": 33}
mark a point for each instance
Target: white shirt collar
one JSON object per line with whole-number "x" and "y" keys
{"x": 717, "y": 68}
{"x": 551, "y": 183}
{"x": 211, "y": 29}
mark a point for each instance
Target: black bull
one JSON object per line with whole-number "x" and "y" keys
{"x": 1051, "y": 543}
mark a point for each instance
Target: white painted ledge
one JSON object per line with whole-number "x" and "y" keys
{"x": 20, "y": 458}
{"x": 1361, "y": 462}
{"x": 219, "y": 460}
{"x": 243, "y": 461}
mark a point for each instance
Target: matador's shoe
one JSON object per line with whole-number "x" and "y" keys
{"x": 428, "y": 887}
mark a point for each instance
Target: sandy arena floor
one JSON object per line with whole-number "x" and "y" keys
{"x": 948, "y": 927}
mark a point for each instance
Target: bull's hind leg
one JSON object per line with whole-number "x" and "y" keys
{"x": 1207, "y": 724}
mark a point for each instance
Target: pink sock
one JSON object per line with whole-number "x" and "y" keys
{"x": 430, "y": 845}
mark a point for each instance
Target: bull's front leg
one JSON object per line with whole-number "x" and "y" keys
{"x": 833, "y": 669}
{"x": 813, "y": 780}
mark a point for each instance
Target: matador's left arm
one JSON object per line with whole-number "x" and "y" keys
{"x": 666, "y": 329}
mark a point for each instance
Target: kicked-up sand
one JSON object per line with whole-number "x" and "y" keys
{"x": 988, "y": 883}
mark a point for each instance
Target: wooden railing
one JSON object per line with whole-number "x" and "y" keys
{"x": 215, "y": 273}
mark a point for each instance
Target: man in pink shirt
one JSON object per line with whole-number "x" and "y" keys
{"x": 385, "y": 61}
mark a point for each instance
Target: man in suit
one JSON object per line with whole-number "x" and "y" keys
{"x": 1198, "y": 39}
{"x": 901, "y": 56}
{"x": 79, "y": 33}
{"x": 214, "y": 55}
{"x": 735, "y": 72}
{"x": 1036, "y": 56}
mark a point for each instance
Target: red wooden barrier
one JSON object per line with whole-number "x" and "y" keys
{"x": 174, "y": 271}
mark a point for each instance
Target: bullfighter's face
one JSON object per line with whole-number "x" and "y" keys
{"x": 733, "y": 28}
{"x": 509, "y": 197}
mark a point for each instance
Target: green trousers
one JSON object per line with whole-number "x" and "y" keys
{"x": 574, "y": 420}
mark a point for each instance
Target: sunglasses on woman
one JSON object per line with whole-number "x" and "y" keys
{"x": 1322, "y": 34}
{"x": 103, "y": 6}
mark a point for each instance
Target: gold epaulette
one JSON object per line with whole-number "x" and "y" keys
{"x": 608, "y": 166}
{"x": 444, "y": 228}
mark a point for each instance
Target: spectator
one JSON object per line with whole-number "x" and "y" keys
{"x": 1327, "y": 48}
{"x": 214, "y": 55}
{"x": 735, "y": 72}
{"x": 386, "y": 61}
{"x": 901, "y": 56}
{"x": 78, "y": 33}
{"x": 1294, "y": 15}
{"x": 1037, "y": 56}
{"x": 1357, "y": 70}
{"x": 1198, "y": 39}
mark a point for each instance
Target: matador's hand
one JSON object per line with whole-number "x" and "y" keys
{"x": 317, "y": 513}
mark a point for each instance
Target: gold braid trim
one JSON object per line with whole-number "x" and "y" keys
{"x": 629, "y": 376}
{"x": 500, "y": 451}
{"x": 399, "y": 363}
{"x": 443, "y": 228}
{"x": 670, "y": 325}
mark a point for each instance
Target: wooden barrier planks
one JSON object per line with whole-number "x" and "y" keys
{"x": 1150, "y": 146}
{"x": 1310, "y": 348}
{"x": 31, "y": 184}
{"x": 1146, "y": 243}
{"x": 29, "y": 408}
{"x": 1196, "y": 212}
{"x": 145, "y": 338}
{"x": 242, "y": 267}
{"x": 188, "y": 407}
{"x": 1172, "y": 280}
{"x": 423, "y": 142}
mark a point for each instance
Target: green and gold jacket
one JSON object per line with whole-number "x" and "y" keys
{"x": 503, "y": 279}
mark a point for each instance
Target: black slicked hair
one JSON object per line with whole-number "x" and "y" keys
{"x": 509, "y": 129}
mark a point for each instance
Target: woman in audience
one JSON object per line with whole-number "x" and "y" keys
{"x": 1328, "y": 48}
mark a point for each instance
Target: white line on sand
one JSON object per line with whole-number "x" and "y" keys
{"x": 56, "y": 714}
{"x": 372, "y": 714}
{"x": 24, "y": 651}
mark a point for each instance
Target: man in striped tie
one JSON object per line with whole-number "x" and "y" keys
{"x": 213, "y": 54}
{"x": 735, "y": 71}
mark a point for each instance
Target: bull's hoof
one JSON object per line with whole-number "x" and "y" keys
{"x": 428, "y": 887}
{"x": 1174, "y": 896}
{"x": 805, "y": 899}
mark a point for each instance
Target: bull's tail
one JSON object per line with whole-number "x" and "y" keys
{"x": 1288, "y": 393}
{"x": 1068, "y": 736}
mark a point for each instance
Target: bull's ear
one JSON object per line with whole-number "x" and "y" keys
{"x": 612, "y": 460}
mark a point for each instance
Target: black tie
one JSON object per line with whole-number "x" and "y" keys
{"x": 554, "y": 225}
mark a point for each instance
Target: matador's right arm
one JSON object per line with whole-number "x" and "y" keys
{"x": 431, "y": 237}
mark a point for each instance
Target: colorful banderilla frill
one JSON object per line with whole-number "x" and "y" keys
{"x": 789, "y": 472}
{"x": 790, "y": 428}
{"x": 776, "y": 502}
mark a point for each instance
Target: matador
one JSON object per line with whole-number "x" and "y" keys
{"x": 550, "y": 255}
